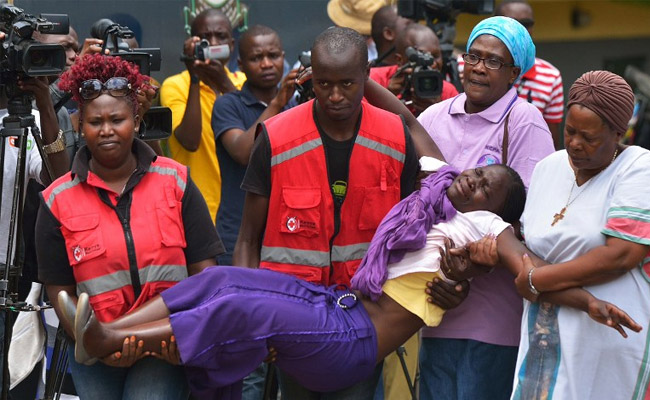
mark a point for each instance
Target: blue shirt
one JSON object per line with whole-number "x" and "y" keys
{"x": 236, "y": 110}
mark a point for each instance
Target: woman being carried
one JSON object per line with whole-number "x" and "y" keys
{"x": 326, "y": 338}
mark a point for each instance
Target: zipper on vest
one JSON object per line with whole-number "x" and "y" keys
{"x": 130, "y": 249}
{"x": 123, "y": 215}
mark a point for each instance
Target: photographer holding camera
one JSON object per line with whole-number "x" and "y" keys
{"x": 17, "y": 89}
{"x": 191, "y": 96}
{"x": 417, "y": 49}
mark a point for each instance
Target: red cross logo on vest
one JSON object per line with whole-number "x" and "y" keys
{"x": 292, "y": 224}
{"x": 78, "y": 253}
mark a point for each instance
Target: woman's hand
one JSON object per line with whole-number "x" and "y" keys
{"x": 169, "y": 352}
{"x": 484, "y": 252}
{"x": 522, "y": 280}
{"x": 132, "y": 351}
{"x": 456, "y": 263}
{"x": 612, "y": 316}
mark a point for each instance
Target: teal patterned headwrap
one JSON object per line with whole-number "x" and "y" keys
{"x": 513, "y": 35}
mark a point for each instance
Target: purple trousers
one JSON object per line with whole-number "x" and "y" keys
{"x": 226, "y": 318}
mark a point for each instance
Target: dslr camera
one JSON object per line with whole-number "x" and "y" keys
{"x": 21, "y": 55}
{"x": 425, "y": 81}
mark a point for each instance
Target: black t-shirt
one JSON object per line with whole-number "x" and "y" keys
{"x": 337, "y": 154}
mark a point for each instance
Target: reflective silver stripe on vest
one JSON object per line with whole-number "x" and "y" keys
{"x": 169, "y": 171}
{"x": 381, "y": 148}
{"x": 349, "y": 252}
{"x": 119, "y": 279}
{"x": 284, "y": 255}
{"x": 296, "y": 151}
{"x": 157, "y": 273}
{"x": 62, "y": 187}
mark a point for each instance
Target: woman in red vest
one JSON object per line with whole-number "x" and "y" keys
{"x": 117, "y": 227}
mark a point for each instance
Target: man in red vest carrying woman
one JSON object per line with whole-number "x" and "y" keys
{"x": 321, "y": 177}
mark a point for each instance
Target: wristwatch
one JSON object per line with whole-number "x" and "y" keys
{"x": 194, "y": 79}
{"x": 57, "y": 145}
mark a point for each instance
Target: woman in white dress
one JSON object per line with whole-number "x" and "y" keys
{"x": 588, "y": 214}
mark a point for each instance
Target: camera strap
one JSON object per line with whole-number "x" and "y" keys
{"x": 62, "y": 101}
{"x": 504, "y": 144}
{"x": 377, "y": 62}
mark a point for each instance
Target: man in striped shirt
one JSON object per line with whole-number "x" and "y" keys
{"x": 542, "y": 84}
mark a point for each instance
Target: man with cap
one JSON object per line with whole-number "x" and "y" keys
{"x": 472, "y": 354}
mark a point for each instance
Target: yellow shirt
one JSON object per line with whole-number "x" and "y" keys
{"x": 203, "y": 163}
{"x": 408, "y": 291}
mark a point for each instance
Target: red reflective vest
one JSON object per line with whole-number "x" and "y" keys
{"x": 300, "y": 236}
{"x": 102, "y": 248}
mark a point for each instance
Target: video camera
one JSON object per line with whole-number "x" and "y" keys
{"x": 203, "y": 51}
{"x": 425, "y": 81}
{"x": 21, "y": 55}
{"x": 440, "y": 16}
{"x": 113, "y": 36}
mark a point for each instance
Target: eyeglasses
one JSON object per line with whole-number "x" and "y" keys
{"x": 490, "y": 63}
{"x": 116, "y": 87}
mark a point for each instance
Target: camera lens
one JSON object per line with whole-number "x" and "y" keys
{"x": 38, "y": 58}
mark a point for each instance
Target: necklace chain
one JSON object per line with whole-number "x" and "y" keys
{"x": 557, "y": 217}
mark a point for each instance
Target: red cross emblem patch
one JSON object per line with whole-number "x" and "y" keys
{"x": 293, "y": 224}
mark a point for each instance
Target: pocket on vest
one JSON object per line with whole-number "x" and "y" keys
{"x": 378, "y": 200}
{"x": 109, "y": 306}
{"x": 300, "y": 213}
{"x": 169, "y": 215}
{"x": 83, "y": 238}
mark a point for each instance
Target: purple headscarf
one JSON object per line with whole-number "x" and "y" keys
{"x": 404, "y": 229}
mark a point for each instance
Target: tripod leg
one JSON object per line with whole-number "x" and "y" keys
{"x": 58, "y": 365}
{"x": 269, "y": 382}
{"x": 400, "y": 353}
